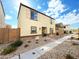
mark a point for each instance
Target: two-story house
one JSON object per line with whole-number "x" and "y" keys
{"x": 59, "y": 29}
{"x": 75, "y": 33}
{"x": 62, "y": 29}
{"x": 32, "y": 22}
{"x": 2, "y": 16}
{"x": 67, "y": 29}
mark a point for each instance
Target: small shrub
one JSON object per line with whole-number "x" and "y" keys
{"x": 8, "y": 50}
{"x": 26, "y": 45}
{"x": 72, "y": 37}
{"x": 57, "y": 33}
{"x": 12, "y": 47}
{"x": 16, "y": 43}
{"x": 33, "y": 53}
{"x": 29, "y": 41}
{"x": 36, "y": 42}
{"x": 77, "y": 38}
{"x": 75, "y": 43}
{"x": 44, "y": 35}
{"x": 68, "y": 56}
{"x": 45, "y": 40}
{"x": 70, "y": 32}
{"x": 64, "y": 32}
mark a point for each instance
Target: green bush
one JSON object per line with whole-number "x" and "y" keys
{"x": 57, "y": 33}
{"x": 77, "y": 38}
{"x": 8, "y": 50}
{"x": 12, "y": 47}
{"x": 26, "y": 45}
{"x": 72, "y": 37}
{"x": 16, "y": 43}
{"x": 44, "y": 34}
{"x": 29, "y": 41}
{"x": 68, "y": 56}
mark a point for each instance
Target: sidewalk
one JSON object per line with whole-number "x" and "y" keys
{"x": 37, "y": 52}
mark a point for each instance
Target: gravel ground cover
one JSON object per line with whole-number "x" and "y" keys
{"x": 28, "y": 44}
{"x": 62, "y": 50}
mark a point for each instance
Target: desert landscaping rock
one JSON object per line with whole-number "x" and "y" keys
{"x": 60, "y": 51}
{"x": 32, "y": 45}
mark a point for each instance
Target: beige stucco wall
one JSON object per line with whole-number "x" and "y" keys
{"x": 25, "y": 22}
{"x": 2, "y": 22}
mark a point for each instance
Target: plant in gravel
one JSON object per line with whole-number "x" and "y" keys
{"x": 36, "y": 42}
{"x": 77, "y": 38}
{"x": 45, "y": 40}
{"x": 44, "y": 34}
{"x": 29, "y": 41}
{"x": 33, "y": 53}
{"x": 72, "y": 37}
{"x": 16, "y": 43}
{"x": 57, "y": 33}
{"x": 74, "y": 43}
{"x": 8, "y": 50}
{"x": 68, "y": 56}
{"x": 26, "y": 45}
{"x": 12, "y": 47}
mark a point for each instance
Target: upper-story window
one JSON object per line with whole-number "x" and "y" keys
{"x": 50, "y": 21}
{"x": 33, "y": 15}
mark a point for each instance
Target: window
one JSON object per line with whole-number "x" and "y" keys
{"x": 50, "y": 21}
{"x": 33, "y": 15}
{"x": 33, "y": 29}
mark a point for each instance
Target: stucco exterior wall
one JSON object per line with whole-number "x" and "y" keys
{"x": 25, "y": 22}
{"x": 2, "y": 21}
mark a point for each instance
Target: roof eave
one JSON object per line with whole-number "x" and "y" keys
{"x": 32, "y": 9}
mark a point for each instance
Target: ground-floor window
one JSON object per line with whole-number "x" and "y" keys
{"x": 33, "y": 29}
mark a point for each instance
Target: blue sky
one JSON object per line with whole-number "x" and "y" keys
{"x": 65, "y": 11}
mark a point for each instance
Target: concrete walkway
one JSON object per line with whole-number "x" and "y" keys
{"x": 37, "y": 52}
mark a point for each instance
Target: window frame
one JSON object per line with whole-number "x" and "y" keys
{"x": 32, "y": 30}
{"x": 34, "y": 15}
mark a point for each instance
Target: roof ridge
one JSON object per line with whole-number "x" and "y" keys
{"x": 21, "y": 4}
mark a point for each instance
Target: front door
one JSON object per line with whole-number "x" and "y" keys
{"x": 51, "y": 30}
{"x": 44, "y": 31}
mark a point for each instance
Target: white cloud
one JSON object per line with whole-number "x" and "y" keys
{"x": 14, "y": 26}
{"x": 17, "y": 3}
{"x": 8, "y": 17}
{"x": 55, "y": 8}
{"x": 69, "y": 18}
{"x": 74, "y": 10}
{"x": 38, "y": 7}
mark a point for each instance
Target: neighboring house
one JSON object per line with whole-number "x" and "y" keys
{"x": 76, "y": 33}
{"x": 67, "y": 29}
{"x": 59, "y": 29}
{"x": 33, "y": 22}
{"x": 62, "y": 29}
{"x": 2, "y": 16}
